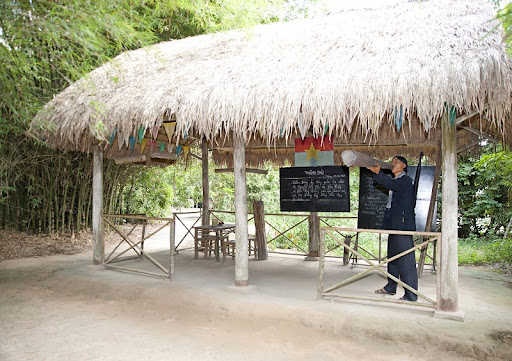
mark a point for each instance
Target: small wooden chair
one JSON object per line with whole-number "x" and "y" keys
{"x": 228, "y": 247}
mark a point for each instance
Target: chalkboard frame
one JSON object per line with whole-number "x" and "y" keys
{"x": 295, "y": 197}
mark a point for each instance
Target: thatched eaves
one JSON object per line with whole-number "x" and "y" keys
{"x": 349, "y": 73}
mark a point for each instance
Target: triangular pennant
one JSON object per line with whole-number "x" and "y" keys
{"x": 112, "y": 136}
{"x": 161, "y": 146}
{"x": 178, "y": 149}
{"x": 169, "y": 129}
{"x": 141, "y": 132}
{"x": 143, "y": 145}
{"x": 132, "y": 141}
{"x": 398, "y": 118}
{"x": 301, "y": 125}
{"x": 186, "y": 149}
{"x": 155, "y": 131}
{"x": 152, "y": 145}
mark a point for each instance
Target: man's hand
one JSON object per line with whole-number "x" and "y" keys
{"x": 375, "y": 169}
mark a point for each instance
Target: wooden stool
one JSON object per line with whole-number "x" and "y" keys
{"x": 254, "y": 247}
{"x": 228, "y": 247}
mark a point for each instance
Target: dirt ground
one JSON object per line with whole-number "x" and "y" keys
{"x": 60, "y": 307}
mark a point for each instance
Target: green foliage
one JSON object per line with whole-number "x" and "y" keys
{"x": 477, "y": 252}
{"x": 44, "y": 46}
{"x": 505, "y": 16}
{"x": 485, "y": 194}
{"x": 148, "y": 193}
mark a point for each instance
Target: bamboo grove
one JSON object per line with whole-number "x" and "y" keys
{"x": 45, "y": 46}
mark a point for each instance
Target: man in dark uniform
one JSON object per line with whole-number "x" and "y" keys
{"x": 399, "y": 215}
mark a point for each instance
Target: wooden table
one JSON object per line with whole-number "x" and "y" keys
{"x": 203, "y": 233}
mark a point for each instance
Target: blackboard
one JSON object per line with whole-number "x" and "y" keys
{"x": 314, "y": 189}
{"x": 373, "y": 198}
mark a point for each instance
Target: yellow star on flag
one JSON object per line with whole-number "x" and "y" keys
{"x": 312, "y": 152}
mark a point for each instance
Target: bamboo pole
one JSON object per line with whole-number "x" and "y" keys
{"x": 97, "y": 207}
{"x": 241, "y": 227}
{"x": 430, "y": 214}
{"x": 137, "y": 271}
{"x": 376, "y": 299}
{"x": 248, "y": 170}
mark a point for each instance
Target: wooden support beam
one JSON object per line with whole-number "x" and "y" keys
{"x": 195, "y": 156}
{"x": 164, "y": 155}
{"x": 248, "y": 170}
{"x": 462, "y": 119}
{"x": 260, "y": 242}
{"x": 314, "y": 236}
{"x": 241, "y": 227}
{"x": 97, "y": 206}
{"x": 448, "y": 296}
{"x": 130, "y": 159}
{"x": 206, "y": 184}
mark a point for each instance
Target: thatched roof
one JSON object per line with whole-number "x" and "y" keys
{"x": 352, "y": 72}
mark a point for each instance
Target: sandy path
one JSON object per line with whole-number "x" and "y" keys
{"x": 61, "y": 308}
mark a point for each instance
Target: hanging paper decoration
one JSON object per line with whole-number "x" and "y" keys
{"x": 398, "y": 117}
{"x": 281, "y": 133}
{"x": 142, "y": 145}
{"x": 301, "y": 126}
{"x": 186, "y": 149}
{"x": 178, "y": 149}
{"x": 126, "y": 141}
{"x": 326, "y": 128}
{"x": 152, "y": 145}
{"x": 161, "y": 146}
{"x": 155, "y": 131}
{"x": 170, "y": 127}
{"x": 169, "y": 148}
{"x": 112, "y": 136}
{"x": 141, "y": 132}
{"x": 452, "y": 115}
{"x": 132, "y": 141}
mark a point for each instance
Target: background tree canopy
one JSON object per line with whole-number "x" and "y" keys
{"x": 44, "y": 46}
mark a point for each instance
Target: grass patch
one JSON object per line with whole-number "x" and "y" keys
{"x": 480, "y": 252}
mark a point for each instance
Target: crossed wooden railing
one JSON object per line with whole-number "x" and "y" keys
{"x": 334, "y": 232}
{"x": 138, "y": 246}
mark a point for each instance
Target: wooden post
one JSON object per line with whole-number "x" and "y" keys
{"x": 206, "y": 185}
{"x": 97, "y": 206}
{"x": 346, "y": 252}
{"x": 448, "y": 296}
{"x": 172, "y": 235}
{"x": 430, "y": 215}
{"x": 314, "y": 236}
{"x": 321, "y": 264}
{"x": 259, "y": 223}
{"x": 241, "y": 229}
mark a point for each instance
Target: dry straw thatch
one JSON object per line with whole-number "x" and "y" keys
{"x": 350, "y": 72}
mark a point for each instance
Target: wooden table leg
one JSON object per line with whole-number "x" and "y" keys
{"x": 217, "y": 240}
{"x": 196, "y": 250}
